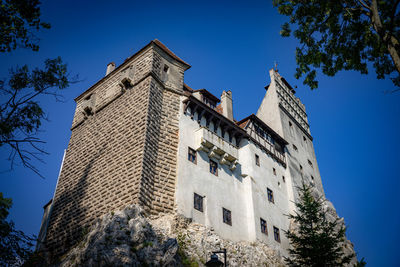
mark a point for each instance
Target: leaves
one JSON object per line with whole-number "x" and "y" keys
{"x": 20, "y": 112}
{"x": 341, "y": 35}
{"x": 19, "y": 20}
{"x": 316, "y": 240}
{"x": 15, "y": 246}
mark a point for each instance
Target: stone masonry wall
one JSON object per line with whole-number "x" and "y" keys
{"x": 125, "y": 153}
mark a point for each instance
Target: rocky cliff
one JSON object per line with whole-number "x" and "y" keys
{"x": 128, "y": 238}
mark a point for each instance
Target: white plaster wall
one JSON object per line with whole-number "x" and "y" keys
{"x": 243, "y": 191}
{"x": 227, "y": 190}
{"x": 262, "y": 177}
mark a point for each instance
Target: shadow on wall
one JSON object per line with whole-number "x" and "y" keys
{"x": 71, "y": 207}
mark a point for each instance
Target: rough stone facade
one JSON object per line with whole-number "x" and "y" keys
{"x": 122, "y": 150}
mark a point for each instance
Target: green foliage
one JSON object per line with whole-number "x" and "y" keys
{"x": 343, "y": 35}
{"x": 20, "y": 111}
{"x": 360, "y": 263}
{"x": 15, "y": 246}
{"x": 19, "y": 20}
{"x": 183, "y": 240}
{"x": 316, "y": 241}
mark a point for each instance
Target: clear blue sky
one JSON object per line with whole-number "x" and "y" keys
{"x": 230, "y": 46}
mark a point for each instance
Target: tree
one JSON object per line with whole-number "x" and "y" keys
{"x": 315, "y": 240}
{"x": 344, "y": 35}
{"x": 19, "y": 20}
{"x": 15, "y": 246}
{"x": 20, "y": 111}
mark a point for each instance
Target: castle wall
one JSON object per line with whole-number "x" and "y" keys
{"x": 123, "y": 153}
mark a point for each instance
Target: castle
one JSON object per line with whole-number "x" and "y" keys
{"x": 141, "y": 135}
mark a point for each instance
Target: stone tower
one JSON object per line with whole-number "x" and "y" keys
{"x": 285, "y": 113}
{"x": 123, "y": 145}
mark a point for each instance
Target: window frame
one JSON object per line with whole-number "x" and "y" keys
{"x": 277, "y": 235}
{"x": 263, "y": 226}
{"x": 270, "y": 195}
{"x": 193, "y": 155}
{"x": 257, "y": 158}
{"x": 198, "y": 205}
{"x": 226, "y": 216}
{"x": 215, "y": 171}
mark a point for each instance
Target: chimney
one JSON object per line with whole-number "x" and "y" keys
{"x": 226, "y": 104}
{"x": 110, "y": 68}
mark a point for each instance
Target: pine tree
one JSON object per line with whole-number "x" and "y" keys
{"x": 315, "y": 240}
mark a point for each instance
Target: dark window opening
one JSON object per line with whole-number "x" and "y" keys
{"x": 198, "y": 202}
{"x": 283, "y": 179}
{"x": 88, "y": 111}
{"x": 166, "y": 68}
{"x": 257, "y": 160}
{"x": 301, "y": 167}
{"x": 277, "y": 236}
{"x": 310, "y": 163}
{"x": 270, "y": 195}
{"x": 294, "y": 147}
{"x": 213, "y": 167}
{"x": 227, "y": 216}
{"x": 274, "y": 171}
{"x": 192, "y": 155}
{"x": 263, "y": 224}
{"x": 304, "y": 138}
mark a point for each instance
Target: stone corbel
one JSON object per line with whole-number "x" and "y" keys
{"x": 224, "y": 160}
{"x": 233, "y": 165}
{"x": 213, "y": 154}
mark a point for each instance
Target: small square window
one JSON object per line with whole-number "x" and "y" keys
{"x": 227, "y": 216}
{"x": 192, "y": 155}
{"x": 283, "y": 179}
{"x": 294, "y": 147}
{"x": 198, "y": 202}
{"x": 270, "y": 195}
{"x": 263, "y": 225}
{"x": 277, "y": 236}
{"x": 166, "y": 68}
{"x": 213, "y": 167}
{"x": 257, "y": 160}
{"x": 274, "y": 171}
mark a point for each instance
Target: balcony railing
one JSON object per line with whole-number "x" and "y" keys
{"x": 216, "y": 147}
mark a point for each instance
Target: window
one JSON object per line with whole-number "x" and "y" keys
{"x": 283, "y": 179}
{"x": 310, "y": 163}
{"x": 301, "y": 168}
{"x": 226, "y": 216}
{"x": 213, "y": 167}
{"x": 277, "y": 236}
{"x": 270, "y": 195}
{"x": 257, "y": 160}
{"x": 263, "y": 225}
{"x": 294, "y": 147}
{"x": 198, "y": 202}
{"x": 274, "y": 171}
{"x": 312, "y": 180}
{"x": 290, "y": 124}
{"x": 166, "y": 68}
{"x": 304, "y": 138}
{"x": 192, "y": 155}
{"x": 164, "y": 74}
